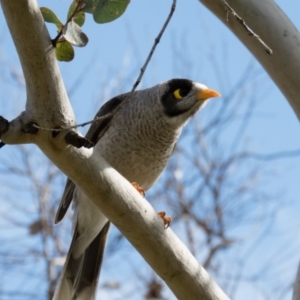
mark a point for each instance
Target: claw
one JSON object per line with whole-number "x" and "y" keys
{"x": 138, "y": 188}
{"x": 167, "y": 220}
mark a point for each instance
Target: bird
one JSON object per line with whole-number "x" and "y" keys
{"x": 137, "y": 139}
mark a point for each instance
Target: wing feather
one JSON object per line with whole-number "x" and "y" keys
{"x": 94, "y": 134}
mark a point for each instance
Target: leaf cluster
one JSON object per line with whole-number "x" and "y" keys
{"x": 70, "y": 34}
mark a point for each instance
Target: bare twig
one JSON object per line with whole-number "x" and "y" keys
{"x": 74, "y": 126}
{"x": 144, "y": 67}
{"x": 274, "y": 156}
{"x": 156, "y": 41}
{"x": 264, "y": 157}
{"x": 247, "y": 28}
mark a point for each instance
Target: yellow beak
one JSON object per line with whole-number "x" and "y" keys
{"x": 206, "y": 94}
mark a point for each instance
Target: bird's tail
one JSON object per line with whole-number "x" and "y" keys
{"x": 80, "y": 276}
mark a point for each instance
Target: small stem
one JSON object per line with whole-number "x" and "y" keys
{"x": 76, "y": 10}
{"x": 74, "y": 126}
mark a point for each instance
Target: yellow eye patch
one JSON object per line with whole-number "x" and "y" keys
{"x": 177, "y": 94}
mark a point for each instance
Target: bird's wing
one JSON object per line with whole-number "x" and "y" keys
{"x": 94, "y": 134}
{"x": 65, "y": 201}
{"x": 97, "y": 129}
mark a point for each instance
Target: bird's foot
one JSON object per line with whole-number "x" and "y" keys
{"x": 167, "y": 220}
{"x": 138, "y": 188}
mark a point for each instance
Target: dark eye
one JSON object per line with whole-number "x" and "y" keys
{"x": 183, "y": 92}
{"x": 180, "y": 93}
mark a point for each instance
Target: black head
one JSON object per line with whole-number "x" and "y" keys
{"x": 176, "y": 90}
{"x": 184, "y": 97}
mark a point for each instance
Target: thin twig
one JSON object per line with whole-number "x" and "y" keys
{"x": 144, "y": 67}
{"x": 137, "y": 82}
{"x": 156, "y": 41}
{"x": 274, "y": 156}
{"x": 74, "y": 126}
{"x": 248, "y": 29}
{"x": 264, "y": 157}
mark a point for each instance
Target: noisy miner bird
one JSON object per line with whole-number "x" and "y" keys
{"x": 137, "y": 141}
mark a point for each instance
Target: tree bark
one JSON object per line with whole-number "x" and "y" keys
{"x": 267, "y": 20}
{"x": 48, "y": 106}
{"x": 296, "y": 290}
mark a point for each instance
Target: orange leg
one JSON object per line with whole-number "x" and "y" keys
{"x": 167, "y": 220}
{"x": 138, "y": 188}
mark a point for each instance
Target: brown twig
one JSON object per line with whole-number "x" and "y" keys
{"x": 144, "y": 67}
{"x": 76, "y": 10}
{"x": 247, "y": 28}
{"x": 156, "y": 41}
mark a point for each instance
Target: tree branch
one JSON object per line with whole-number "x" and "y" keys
{"x": 276, "y": 30}
{"x": 47, "y": 101}
{"x": 296, "y": 290}
{"x": 48, "y": 106}
{"x": 247, "y": 28}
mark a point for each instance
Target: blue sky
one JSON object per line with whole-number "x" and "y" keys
{"x": 191, "y": 45}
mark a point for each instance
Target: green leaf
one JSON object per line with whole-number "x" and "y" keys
{"x": 109, "y": 10}
{"x": 50, "y": 17}
{"x": 79, "y": 17}
{"x": 64, "y": 51}
{"x": 74, "y": 35}
{"x": 72, "y": 8}
{"x": 89, "y": 5}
